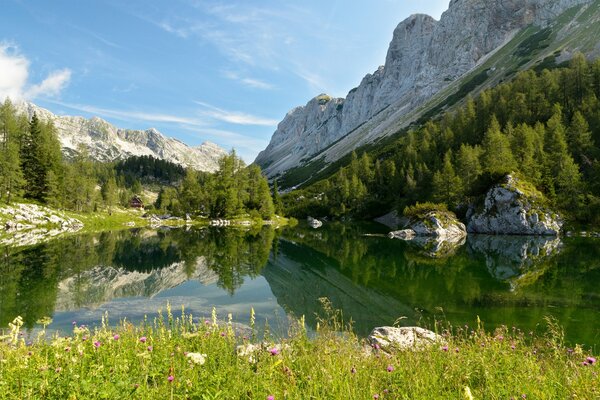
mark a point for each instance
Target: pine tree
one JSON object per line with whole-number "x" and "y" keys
{"x": 34, "y": 172}
{"x": 109, "y": 193}
{"x": 468, "y": 166}
{"x": 11, "y": 176}
{"x": 497, "y": 155}
{"x": 277, "y": 203}
{"x": 580, "y": 139}
{"x": 447, "y": 186}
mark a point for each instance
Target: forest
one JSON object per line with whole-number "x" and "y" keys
{"x": 33, "y": 168}
{"x": 542, "y": 126}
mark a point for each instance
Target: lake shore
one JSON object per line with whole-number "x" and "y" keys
{"x": 179, "y": 356}
{"x": 30, "y": 223}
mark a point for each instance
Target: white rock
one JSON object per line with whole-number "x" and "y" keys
{"x": 390, "y": 338}
{"x": 508, "y": 211}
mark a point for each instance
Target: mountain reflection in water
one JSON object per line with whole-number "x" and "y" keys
{"x": 373, "y": 280}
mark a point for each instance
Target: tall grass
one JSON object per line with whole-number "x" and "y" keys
{"x": 181, "y": 357}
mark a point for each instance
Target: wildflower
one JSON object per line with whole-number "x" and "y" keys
{"x": 67, "y": 349}
{"x": 456, "y": 350}
{"x": 500, "y": 338}
{"x": 270, "y": 397}
{"x": 385, "y": 391}
{"x": 512, "y": 346}
{"x": 523, "y": 396}
{"x": 74, "y": 322}
{"x": 197, "y": 358}
{"x": 274, "y": 351}
{"x": 467, "y": 393}
{"x": 570, "y": 351}
{"x": 376, "y": 346}
{"x": 143, "y": 339}
{"x": 584, "y": 363}
{"x": 97, "y": 344}
{"x": 137, "y": 385}
{"x": 591, "y": 360}
{"x": 58, "y": 369}
{"x": 390, "y": 368}
{"x": 352, "y": 370}
{"x": 84, "y": 338}
{"x": 150, "y": 348}
{"x": 116, "y": 337}
{"x": 376, "y": 396}
{"x": 171, "y": 378}
{"x": 222, "y": 334}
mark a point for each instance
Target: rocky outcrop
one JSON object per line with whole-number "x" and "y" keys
{"x": 514, "y": 208}
{"x": 106, "y": 142}
{"x": 388, "y": 338}
{"x": 314, "y": 223}
{"x": 28, "y": 224}
{"x": 439, "y": 224}
{"x": 425, "y": 56}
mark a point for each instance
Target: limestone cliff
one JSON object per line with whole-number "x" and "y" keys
{"x": 425, "y": 57}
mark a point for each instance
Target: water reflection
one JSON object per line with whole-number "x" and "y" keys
{"x": 374, "y": 280}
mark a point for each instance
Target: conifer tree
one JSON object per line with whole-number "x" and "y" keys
{"x": 32, "y": 165}
{"x": 447, "y": 186}
{"x": 497, "y": 155}
{"x": 11, "y": 177}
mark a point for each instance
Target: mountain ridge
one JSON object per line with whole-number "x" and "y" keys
{"x": 106, "y": 142}
{"x": 426, "y": 59}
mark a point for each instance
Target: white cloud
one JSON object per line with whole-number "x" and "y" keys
{"x": 134, "y": 115}
{"x": 250, "y": 82}
{"x": 234, "y": 117}
{"x": 14, "y": 77}
{"x": 14, "y": 72}
{"x": 51, "y": 86}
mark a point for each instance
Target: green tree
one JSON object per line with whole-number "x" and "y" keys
{"x": 11, "y": 176}
{"x": 497, "y": 155}
{"x": 447, "y": 185}
{"x": 109, "y": 193}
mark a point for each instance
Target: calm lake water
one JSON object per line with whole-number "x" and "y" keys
{"x": 515, "y": 281}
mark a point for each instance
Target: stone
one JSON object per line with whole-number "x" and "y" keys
{"x": 389, "y": 338}
{"x": 404, "y": 234}
{"x": 439, "y": 224}
{"x": 511, "y": 208}
{"x": 314, "y": 223}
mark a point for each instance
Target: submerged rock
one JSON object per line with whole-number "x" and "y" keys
{"x": 515, "y": 208}
{"x": 404, "y": 234}
{"x": 314, "y": 223}
{"x": 390, "y": 338}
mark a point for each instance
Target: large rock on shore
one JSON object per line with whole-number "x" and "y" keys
{"x": 514, "y": 207}
{"x": 438, "y": 224}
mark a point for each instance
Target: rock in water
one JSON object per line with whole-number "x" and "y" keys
{"x": 390, "y": 338}
{"x": 439, "y": 224}
{"x": 314, "y": 223}
{"x": 515, "y": 208}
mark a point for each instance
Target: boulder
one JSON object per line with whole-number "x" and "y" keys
{"x": 314, "y": 223}
{"x": 390, "y": 338}
{"x": 404, "y": 234}
{"x": 514, "y": 207}
{"x": 438, "y": 224}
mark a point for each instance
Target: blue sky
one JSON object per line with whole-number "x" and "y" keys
{"x": 197, "y": 70}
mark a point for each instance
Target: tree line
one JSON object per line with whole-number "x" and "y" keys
{"x": 32, "y": 167}
{"x": 543, "y": 126}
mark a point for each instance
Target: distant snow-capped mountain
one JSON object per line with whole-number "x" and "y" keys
{"x": 105, "y": 142}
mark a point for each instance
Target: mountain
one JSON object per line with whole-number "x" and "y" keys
{"x": 430, "y": 66}
{"x": 106, "y": 142}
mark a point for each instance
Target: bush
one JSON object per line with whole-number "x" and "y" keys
{"x": 419, "y": 210}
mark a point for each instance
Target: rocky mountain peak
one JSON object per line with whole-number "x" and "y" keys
{"x": 106, "y": 142}
{"x": 425, "y": 56}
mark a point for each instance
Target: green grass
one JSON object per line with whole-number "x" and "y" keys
{"x": 115, "y": 363}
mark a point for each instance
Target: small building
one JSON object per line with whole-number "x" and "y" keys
{"x": 136, "y": 202}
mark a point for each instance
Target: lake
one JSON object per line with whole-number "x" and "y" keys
{"x": 373, "y": 280}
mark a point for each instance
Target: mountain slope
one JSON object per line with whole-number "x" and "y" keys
{"x": 106, "y": 142}
{"x": 431, "y": 65}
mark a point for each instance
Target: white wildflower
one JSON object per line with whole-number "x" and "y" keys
{"x": 197, "y": 358}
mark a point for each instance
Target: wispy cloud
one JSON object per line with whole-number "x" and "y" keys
{"x": 249, "y": 82}
{"x": 134, "y": 115}
{"x": 14, "y": 79}
{"x": 234, "y": 117}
